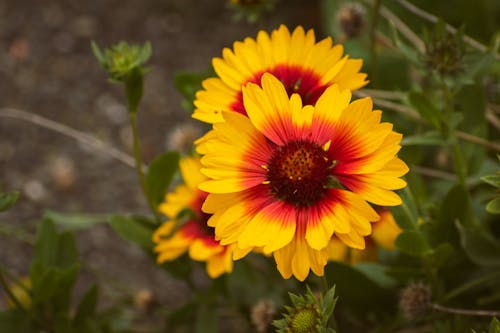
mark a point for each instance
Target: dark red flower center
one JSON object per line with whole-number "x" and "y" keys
{"x": 299, "y": 172}
{"x": 296, "y": 79}
{"x": 197, "y": 226}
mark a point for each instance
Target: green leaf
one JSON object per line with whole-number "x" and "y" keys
{"x": 494, "y": 326}
{"x": 7, "y": 200}
{"x": 54, "y": 288}
{"x": 134, "y": 229}
{"x": 480, "y": 246}
{"x": 455, "y": 206}
{"x": 377, "y": 273}
{"x": 86, "y": 308}
{"x": 74, "y": 221}
{"x": 425, "y": 108}
{"x": 357, "y": 289}
{"x": 431, "y": 138}
{"x": 493, "y": 180}
{"x": 409, "y": 53}
{"x": 159, "y": 176}
{"x": 46, "y": 243}
{"x": 188, "y": 84}
{"x": 412, "y": 243}
{"x": 406, "y": 214}
{"x": 440, "y": 255}
{"x": 493, "y": 206}
{"x": 329, "y": 302}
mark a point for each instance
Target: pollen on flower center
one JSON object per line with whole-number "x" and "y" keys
{"x": 298, "y": 172}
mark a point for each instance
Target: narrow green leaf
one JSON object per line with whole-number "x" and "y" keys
{"x": 480, "y": 246}
{"x": 67, "y": 252}
{"x": 46, "y": 243}
{"x": 378, "y": 273}
{"x": 188, "y": 84}
{"x": 406, "y": 214}
{"x": 86, "y": 308}
{"x": 412, "y": 242}
{"x": 409, "y": 53}
{"x": 7, "y": 200}
{"x": 493, "y": 206}
{"x": 133, "y": 229}
{"x": 493, "y": 180}
{"x": 455, "y": 206}
{"x": 439, "y": 255}
{"x": 74, "y": 221}
{"x": 494, "y": 326}
{"x": 431, "y": 138}
{"x": 159, "y": 176}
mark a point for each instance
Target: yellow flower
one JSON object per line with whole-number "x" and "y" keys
{"x": 287, "y": 177}
{"x": 194, "y": 236}
{"x": 304, "y": 66}
{"x": 21, "y": 291}
{"x": 384, "y": 234}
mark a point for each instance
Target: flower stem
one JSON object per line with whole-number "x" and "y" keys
{"x": 138, "y": 160}
{"x": 466, "y": 312}
{"x": 373, "y": 39}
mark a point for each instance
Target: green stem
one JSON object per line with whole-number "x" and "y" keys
{"x": 450, "y": 133}
{"x": 373, "y": 39}
{"x": 324, "y": 284}
{"x": 138, "y": 160}
{"x": 459, "y": 163}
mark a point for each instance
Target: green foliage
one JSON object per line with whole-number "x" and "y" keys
{"x": 136, "y": 229}
{"x": 160, "y": 173}
{"x": 74, "y": 221}
{"x": 188, "y": 84}
{"x": 53, "y": 274}
{"x": 308, "y": 313}
{"x": 124, "y": 63}
{"x": 122, "y": 59}
{"x": 493, "y": 205}
{"x": 7, "y": 200}
{"x": 494, "y": 327}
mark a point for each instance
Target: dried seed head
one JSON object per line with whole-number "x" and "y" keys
{"x": 182, "y": 137}
{"x": 415, "y": 299}
{"x": 351, "y": 19}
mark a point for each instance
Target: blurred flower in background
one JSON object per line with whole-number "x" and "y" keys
{"x": 176, "y": 236}
{"x": 384, "y": 234}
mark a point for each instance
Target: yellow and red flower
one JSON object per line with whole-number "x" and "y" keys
{"x": 304, "y": 66}
{"x": 286, "y": 178}
{"x": 194, "y": 235}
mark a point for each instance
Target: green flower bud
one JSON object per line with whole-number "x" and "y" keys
{"x": 124, "y": 64}
{"x": 308, "y": 313}
{"x": 122, "y": 59}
